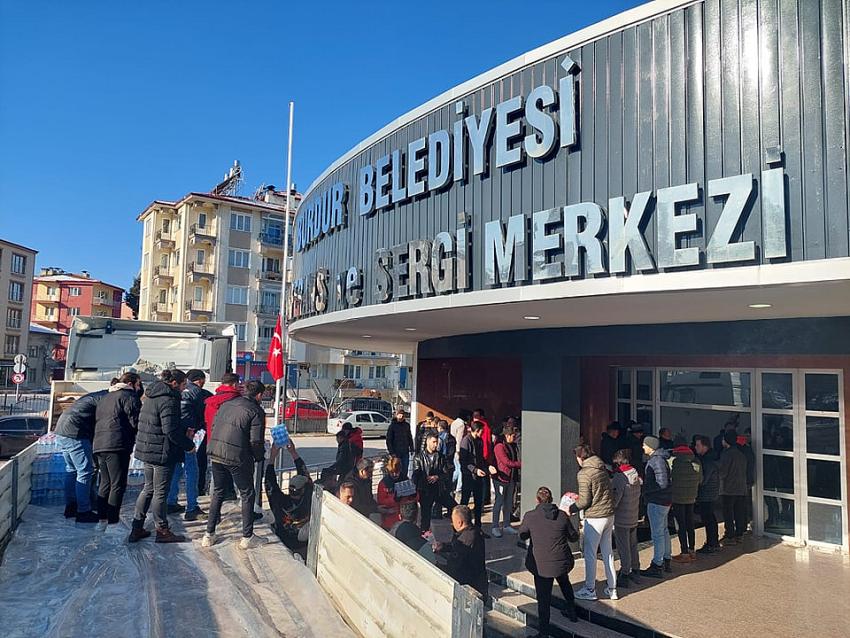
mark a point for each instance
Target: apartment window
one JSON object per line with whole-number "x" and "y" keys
{"x": 241, "y": 222}
{"x": 173, "y": 295}
{"x": 200, "y": 257}
{"x": 12, "y": 344}
{"x": 270, "y": 298}
{"x": 241, "y": 329}
{"x": 13, "y": 318}
{"x": 199, "y": 294}
{"x": 163, "y": 262}
{"x": 237, "y": 295}
{"x": 202, "y": 220}
{"x": 146, "y": 262}
{"x": 74, "y": 291}
{"x": 377, "y": 372}
{"x": 176, "y": 257}
{"x": 16, "y": 291}
{"x": 166, "y": 226}
{"x": 52, "y": 291}
{"x": 163, "y": 296}
{"x": 148, "y": 227}
{"x": 50, "y": 312}
{"x": 350, "y": 371}
{"x": 271, "y": 264}
{"x": 266, "y": 332}
{"x": 19, "y": 264}
{"x": 239, "y": 258}
{"x": 74, "y": 312}
{"x": 33, "y": 351}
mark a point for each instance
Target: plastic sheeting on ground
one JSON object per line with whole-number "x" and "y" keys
{"x": 60, "y": 579}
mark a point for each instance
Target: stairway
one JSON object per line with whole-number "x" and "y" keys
{"x": 512, "y": 613}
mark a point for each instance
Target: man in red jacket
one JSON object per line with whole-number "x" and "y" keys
{"x": 229, "y": 389}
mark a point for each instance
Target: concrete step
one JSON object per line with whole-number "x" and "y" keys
{"x": 521, "y": 614}
{"x": 498, "y": 625}
{"x": 520, "y": 582}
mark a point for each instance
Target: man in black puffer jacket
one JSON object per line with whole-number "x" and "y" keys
{"x": 236, "y": 443}
{"x": 114, "y": 435}
{"x": 74, "y": 432}
{"x": 161, "y": 441}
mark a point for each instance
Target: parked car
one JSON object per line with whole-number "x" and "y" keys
{"x": 306, "y": 410}
{"x": 372, "y": 423}
{"x": 18, "y": 432}
{"x": 366, "y": 404}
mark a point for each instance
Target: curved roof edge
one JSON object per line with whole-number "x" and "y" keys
{"x": 595, "y": 31}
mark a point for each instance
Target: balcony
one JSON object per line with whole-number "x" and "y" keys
{"x": 161, "y": 311}
{"x": 164, "y": 240}
{"x": 271, "y": 241}
{"x": 267, "y": 310}
{"x": 269, "y": 275}
{"x": 48, "y": 299}
{"x": 195, "y": 308}
{"x": 97, "y": 300}
{"x": 202, "y": 234}
{"x": 162, "y": 276}
{"x": 201, "y": 272}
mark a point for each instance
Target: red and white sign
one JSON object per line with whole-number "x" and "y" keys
{"x": 18, "y": 378}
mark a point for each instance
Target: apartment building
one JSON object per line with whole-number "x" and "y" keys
{"x": 217, "y": 257}
{"x": 59, "y": 296}
{"x": 16, "y": 271}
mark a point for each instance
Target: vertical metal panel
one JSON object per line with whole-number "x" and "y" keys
{"x": 601, "y": 76}
{"x": 631, "y": 70}
{"x": 751, "y": 152}
{"x": 834, "y": 127}
{"x": 590, "y": 82}
{"x": 695, "y": 109}
{"x": 714, "y": 128}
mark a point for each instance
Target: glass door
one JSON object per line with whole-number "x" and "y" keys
{"x": 801, "y": 438}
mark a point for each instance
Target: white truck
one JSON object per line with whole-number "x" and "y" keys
{"x": 100, "y": 348}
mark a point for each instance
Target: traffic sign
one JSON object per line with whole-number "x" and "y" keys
{"x": 20, "y": 368}
{"x": 20, "y": 358}
{"x": 18, "y": 378}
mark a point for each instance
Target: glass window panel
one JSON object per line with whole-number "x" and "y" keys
{"x": 822, "y": 435}
{"x": 778, "y": 473}
{"x": 822, "y": 392}
{"x": 779, "y": 516}
{"x": 777, "y": 431}
{"x": 691, "y": 421}
{"x": 624, "y": 412}
{"x": 644, "y": 417}
{"x": 706, "y": 387}
{"x": 624, "y": 383}
{"x": 777, "y": 390}
{"x": 644, "y": 385}
{"x": 824, "y": 478}
{"x": 825, "y": 523}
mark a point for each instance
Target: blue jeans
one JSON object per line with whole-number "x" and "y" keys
{"x": 457, "y": 477}
{"x": 662, "y": 549}
{"x": 79, "y": 468}
{"x": 190, "y": 466}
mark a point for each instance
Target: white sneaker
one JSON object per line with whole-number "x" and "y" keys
{"x": 496, "y": 532}
{"x": 101, "y": 526}
{"x": 248, "y": 543}
{"x": 585, "y": 594}
{"x": 510, "y": 530}
{"x": 612, "y": 594}
{"x": 208, "y": 540}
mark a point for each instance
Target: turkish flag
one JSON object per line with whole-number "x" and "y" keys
{"x": 275, "y": 364}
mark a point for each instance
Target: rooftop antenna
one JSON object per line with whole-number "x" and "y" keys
{"x": 231, "y": 183}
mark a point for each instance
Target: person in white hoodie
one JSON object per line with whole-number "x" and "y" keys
{"x": 626, "y": 486}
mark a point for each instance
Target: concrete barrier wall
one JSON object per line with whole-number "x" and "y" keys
{"x": 15, "y": 492}
{"x": 379, "y": 585}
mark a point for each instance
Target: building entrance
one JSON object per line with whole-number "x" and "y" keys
{"x": 794, "y": 419}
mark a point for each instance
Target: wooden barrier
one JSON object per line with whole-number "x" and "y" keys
{"x": 15, "y": 492}
{"x": 381, "y": 586}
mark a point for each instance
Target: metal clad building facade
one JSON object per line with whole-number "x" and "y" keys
{"x": 706, "y": 91}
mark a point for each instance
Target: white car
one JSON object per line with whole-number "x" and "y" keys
{"x": 372, "y": 423}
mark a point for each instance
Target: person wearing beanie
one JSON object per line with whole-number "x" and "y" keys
{"x": 733, "y": 489}
{"x": 658, "y": 494}
{"x": 686, "y": 475}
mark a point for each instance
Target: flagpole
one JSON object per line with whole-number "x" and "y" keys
{"x": 283, "y": 285}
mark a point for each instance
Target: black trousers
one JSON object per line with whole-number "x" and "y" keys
{"x": 684, "y": 515}
{"x": 735, "y": 515}
{"x": 543, "y": 587}
{"x": 243, "y": 479}
{"x": 154, "y": 495}
{"x": 473, "y": 485}
{"x": 202, "y": 467}
{"x": 709, "y": 519}
{"x": 113, "y": 484}
{"x": 427, "y": 499}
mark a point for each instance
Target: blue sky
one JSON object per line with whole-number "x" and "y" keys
{"x": 107, "y": 106}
